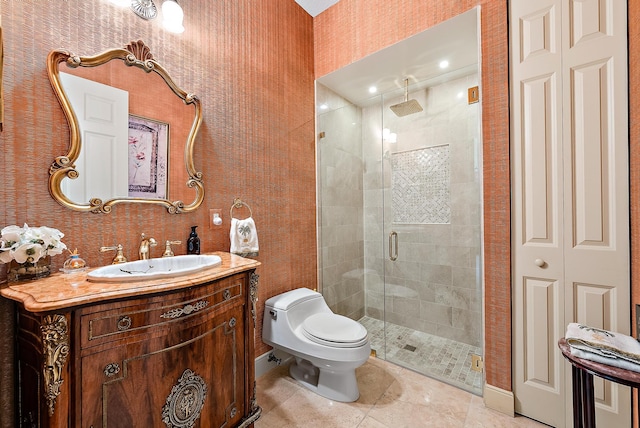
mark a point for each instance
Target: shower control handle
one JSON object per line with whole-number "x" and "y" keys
{"x": 393, "y": 246}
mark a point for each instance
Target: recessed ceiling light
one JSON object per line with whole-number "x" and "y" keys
{"x": 373, "y": 89}
{"x": 444, "y": 64}
{"x": 324, "y": 106}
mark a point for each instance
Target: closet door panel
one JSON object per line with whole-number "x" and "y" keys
{"x": 538, "y": 289}
{"x": 569, "y": 132}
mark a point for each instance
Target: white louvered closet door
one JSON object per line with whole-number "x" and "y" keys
{"x": 569, "y": 138}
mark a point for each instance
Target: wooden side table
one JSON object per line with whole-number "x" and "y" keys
{"x": 582, "y": 371}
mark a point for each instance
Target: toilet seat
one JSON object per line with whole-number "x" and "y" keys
{"x": 334, "y": 330}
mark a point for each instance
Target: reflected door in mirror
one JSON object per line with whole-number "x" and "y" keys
{"x": 101, "y": 111}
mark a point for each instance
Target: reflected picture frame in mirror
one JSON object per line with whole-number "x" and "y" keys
{"x": 136, "y": 55}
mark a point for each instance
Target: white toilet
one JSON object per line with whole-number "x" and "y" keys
{"x": 327, "y": 347}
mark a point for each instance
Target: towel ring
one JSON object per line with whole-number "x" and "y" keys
{"x": 238, "y": 203}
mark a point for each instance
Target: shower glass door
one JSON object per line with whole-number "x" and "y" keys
{"x": 422, "y": 223}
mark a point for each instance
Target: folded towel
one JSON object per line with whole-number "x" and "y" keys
{"x": 244, "y": 237}
{"x": 606, "y": 347}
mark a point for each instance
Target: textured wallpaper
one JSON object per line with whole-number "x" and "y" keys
{"x": 251, "y": 64}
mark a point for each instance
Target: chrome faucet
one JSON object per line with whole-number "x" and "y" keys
{"x": 144, "y": 252}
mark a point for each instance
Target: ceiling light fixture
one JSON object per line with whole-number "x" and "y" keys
{"x": 172, "y": 13}
{"x": 173, "y": 16}
{"x": 444, "y": 64}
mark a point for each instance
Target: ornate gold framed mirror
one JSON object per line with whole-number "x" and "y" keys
{"x": 132, "y": 132}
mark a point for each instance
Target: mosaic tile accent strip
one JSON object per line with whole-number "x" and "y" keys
{"x": 443, "y": 359}
{"x": 420, "y": 186}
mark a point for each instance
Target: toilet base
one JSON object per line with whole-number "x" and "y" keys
{"x": 334, "y": 385}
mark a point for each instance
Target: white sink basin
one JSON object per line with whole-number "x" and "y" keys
{"x": 166, "y": 267}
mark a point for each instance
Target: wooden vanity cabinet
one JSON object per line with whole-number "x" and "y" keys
{"x": 183, "y": 358}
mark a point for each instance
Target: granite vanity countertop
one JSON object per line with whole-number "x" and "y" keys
{"x": 60, "y": 291}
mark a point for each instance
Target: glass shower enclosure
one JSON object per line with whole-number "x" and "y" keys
{"x": 400, "y": 220}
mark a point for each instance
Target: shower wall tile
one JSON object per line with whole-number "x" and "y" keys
{"x": 419, "y": 252}
{"x": 465, "y": 277}
{"x": 435, "y": 313}
{"x": 407, "y": 307}
{"x": 426, "y": 290}
{"x": 457, "y": 297}
{"x": 340, "y": 177}
{"x": 436, "y": 261}
{"x": 439, "y": 274}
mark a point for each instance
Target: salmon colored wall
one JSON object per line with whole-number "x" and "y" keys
{"x": 348, "y": 31}
{"x": 251, "y": 64}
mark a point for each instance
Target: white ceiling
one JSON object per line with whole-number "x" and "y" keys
{"x": 416, "y": 58}
{"x": 314, "y": 7}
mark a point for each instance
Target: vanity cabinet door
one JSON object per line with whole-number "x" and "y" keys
{"x": 191, "y": 376}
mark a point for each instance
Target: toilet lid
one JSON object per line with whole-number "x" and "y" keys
{"x": 334, "y": 330}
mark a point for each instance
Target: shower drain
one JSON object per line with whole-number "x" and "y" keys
{"x": 409, "y": 348}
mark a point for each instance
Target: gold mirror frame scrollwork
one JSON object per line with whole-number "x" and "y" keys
{"x": 135, "y": 54}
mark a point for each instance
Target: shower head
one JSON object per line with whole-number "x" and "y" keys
{"x": 407, "y": 106}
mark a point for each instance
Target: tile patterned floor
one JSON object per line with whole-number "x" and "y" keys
{"x": 390, "y": 397}
{"x": 443, "y": 359}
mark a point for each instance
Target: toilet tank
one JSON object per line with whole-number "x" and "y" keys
{"x": 285, "y": 312}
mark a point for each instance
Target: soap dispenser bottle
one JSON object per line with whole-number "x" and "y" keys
{"x": 193, "y": 243}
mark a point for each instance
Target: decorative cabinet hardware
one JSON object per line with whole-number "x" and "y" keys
{"x": 232, "y": 322}
{"x": 234, "y": 412}
{"x": 226, "y": 295}
{"x": 55, "y": 343}
{"x": 253, "y": 294}
{"x": 186, "y": 310}
{"x": 185, "y": 402}
{"x": 111, "y": 369}
{"x": 124, "y": 323}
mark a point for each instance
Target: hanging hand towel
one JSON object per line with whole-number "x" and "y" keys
{"x": 602, "y": 346}
{"x": 244, "y": 237}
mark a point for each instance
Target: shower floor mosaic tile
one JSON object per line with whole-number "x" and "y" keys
{"x": 443, "y": 359}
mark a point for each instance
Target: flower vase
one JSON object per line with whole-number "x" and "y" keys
{"x": 28, "y": 271}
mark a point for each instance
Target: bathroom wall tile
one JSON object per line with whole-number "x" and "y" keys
{"x": 466, "y": 278}
{"x": 456, "y": 297}
{"x": 466, "y": 236}
{"x": 435, "y": 313}
{"x": 407, "y": 307}
{"x": 420, "y": 252}
{"x": 470, "y": 325}
{"x": 374, "y": 312}
{"x": 375, "y": 299}
{"x": 426, "y": 290}
{"x": 470, "y": 337}
{"x": 403, "y": 268}
{"x": 439, "y": 274}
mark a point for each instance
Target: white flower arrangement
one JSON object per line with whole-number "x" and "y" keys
{"x": 29, "y": 244}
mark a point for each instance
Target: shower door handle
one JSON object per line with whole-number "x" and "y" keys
{"x": 393, "y": 246}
